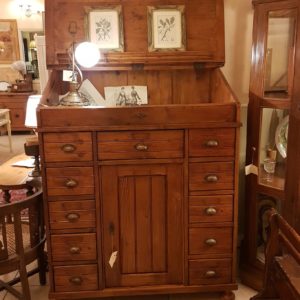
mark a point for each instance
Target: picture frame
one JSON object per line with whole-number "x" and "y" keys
{"x": 9, "y": 41}
{"x": 104, "y": 26}
{"x": 166, "y": 28}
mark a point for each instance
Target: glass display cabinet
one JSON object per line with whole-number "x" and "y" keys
{"x": 271, "y": 92}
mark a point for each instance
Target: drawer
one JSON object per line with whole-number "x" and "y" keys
{"x": 75, "y": 278}
{"x": 72, "y": 214}
{"x": 210, "y": 209}
{"x": 13, "y": 105}
{"x": 70, "y": 181}
{"x": 140, "y": 144}
{"x": 210, "y": 240}
{"x": 70, "y": 247}
{"x": 17, "y": 117}
{"x": 211, "y": 142}
{"x": 210, "y": 271}
{"x": 68, "y": 146}
{"x": 211, "y": 176}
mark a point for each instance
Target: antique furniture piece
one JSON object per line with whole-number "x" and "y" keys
{"x": 275, "y": 40}
{"x": 5, "y": 122}
{"x": 16, "y": 103}
{"x": 12, "y": 177}
{"x": 282, "y": 272}
{"x": 142, "y": 200}
{"x": 22, "y": 239}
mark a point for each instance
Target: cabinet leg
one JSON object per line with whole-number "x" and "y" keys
{"x": 228, "y": 295}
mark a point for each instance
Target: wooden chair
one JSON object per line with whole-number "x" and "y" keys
{"x": 5, "y": 121}
{"x": 22, "y": 239}
{"x": 282, "y": 268}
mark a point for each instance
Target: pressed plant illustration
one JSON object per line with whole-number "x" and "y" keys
{"x": 166, "y": 28}
{"x": 103, "y": 29}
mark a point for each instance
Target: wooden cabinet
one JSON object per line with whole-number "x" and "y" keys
{"x": 141, "y": 200}
{"x": 272, "y": 92}
{"x": 16, "y": 103}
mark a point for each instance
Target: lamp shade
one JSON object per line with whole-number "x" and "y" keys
{"x": 32, "y": 104}
{"x": 87, "y": 54}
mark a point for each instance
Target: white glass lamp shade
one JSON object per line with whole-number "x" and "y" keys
{"x": 32, "y": 104}
{"x": 87, "y": 54}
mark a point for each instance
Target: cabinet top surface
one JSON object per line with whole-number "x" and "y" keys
{"x": 199, "y": 31}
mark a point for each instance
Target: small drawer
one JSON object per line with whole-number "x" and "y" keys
{"x": 210, "y": 208}
{"x": 75, "y": 278}
{"x": 208, "y": 240}
{"x": 72, "y": 214}
{"x": 210, "y": 271}
{"x": 211, "y": 142}
{"x": 140, "y": 144}
{"x": 70, "y": 181}
{"x": 70, "y": 247}
{"x": 211, "y": 176}
{"x": 17, "y": 117}
{"x": 68, "y": 146}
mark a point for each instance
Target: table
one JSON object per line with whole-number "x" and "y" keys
{"x": 14, "y": 178}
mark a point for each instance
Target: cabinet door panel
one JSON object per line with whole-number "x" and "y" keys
{"x": 142, "y": 217}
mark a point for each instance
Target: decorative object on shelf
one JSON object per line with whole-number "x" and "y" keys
{"x": 9, "y": 42}
{"x": 126, "y": 95}
{"x": 4, "y": 86}
{"x": 87, "y": 55}
{"x": 24, "y": 85}
{"x": 166, "y": 28}
{"x": 281, "y": 136}
{"x": 105, "y": 27}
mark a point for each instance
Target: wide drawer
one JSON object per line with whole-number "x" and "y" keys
{"x": 75, "y": 278}
{"x": 210, "y": 240}
{"x": 211, "y": 176}
{"x": 211, "y": 142}
{"x": 140, "y": 144}
{"x": 70, "y": 181}
{"x": 210, "y": 208}
{"x": 70, "y": 247}
{"x": 72, "y": 214}
{"x": 210, "y": 271}
{"x": 68, "y": 146}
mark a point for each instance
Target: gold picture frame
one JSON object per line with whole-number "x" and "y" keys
{"x": 104, "y": 27}
{"x": 9, "y": 41}
{"x": 166, "y": 28}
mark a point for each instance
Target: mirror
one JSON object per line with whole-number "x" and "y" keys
{"x": 30, "y": 52}
{"x": 280, "y": 53}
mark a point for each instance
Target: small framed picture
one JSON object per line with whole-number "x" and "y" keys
{"x": 105, "y": 27}
{"x": 166, "y": 28}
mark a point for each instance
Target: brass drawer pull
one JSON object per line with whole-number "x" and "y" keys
{"x": 141, "y": 147}
{"x": 68, "y": 148}
{"x": 211, "y": 242}
{"x": 210, "y": 211}
{"x": 76, "y": 280}
{"x": 72, "y": 217}
{"x": 211, "y": 178}
{"x": 75, "y": 250}
{"x": 71, "y": 183}
{"x": 210, "y": 274}
{"x": 212, "y": 143}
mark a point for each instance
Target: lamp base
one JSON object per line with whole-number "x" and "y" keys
{"x": 74, "y": 99}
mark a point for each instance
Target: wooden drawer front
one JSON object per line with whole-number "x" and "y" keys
{"x": 211, "y": 142}
{"x": 72, "y": 214}
{"x": 74, "y": 247}
{"x": 13, "y": 105}
{"x": 211, "y": 176}
{"x": 68, "y": 146}
{"x": 210, "y": 271}
{"x": 75, "y": 278}
{"x": 207, "y": 240}
{"x": 70, "y": 181}
{"x": 140, "y": 144}
{"x": 17, "y": 117}
{"x": 210, "y": 208}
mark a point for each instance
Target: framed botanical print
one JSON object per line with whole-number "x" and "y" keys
{"x": 9, "y": 42}
{"x": 105, "y": 28}
{"x": 166, "y": 28}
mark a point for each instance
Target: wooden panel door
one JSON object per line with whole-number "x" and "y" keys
{"x": 143, "y": 223}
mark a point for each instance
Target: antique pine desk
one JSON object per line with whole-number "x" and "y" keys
{"x": 152, "y": 186}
